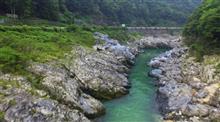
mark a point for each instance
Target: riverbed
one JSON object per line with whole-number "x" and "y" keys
{"x": 139, "y": 105}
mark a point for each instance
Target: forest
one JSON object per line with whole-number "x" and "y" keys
{"x": 104, "y": 12}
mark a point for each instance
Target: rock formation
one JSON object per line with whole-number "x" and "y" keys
{"x": 187, "y": 89}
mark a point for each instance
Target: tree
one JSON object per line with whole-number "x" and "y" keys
{"x": 24, "y": 8}
{"x": 203, "y": 28}
{"x": 46, "y": 9}
{"x": 112, "y": 12}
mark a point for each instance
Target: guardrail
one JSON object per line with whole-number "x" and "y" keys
{"x": 155, "y": 28}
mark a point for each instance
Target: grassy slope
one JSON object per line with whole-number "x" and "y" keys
{"x": 20, "y": 44}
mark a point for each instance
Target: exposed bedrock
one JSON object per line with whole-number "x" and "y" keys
{"x": 188, "y": 90}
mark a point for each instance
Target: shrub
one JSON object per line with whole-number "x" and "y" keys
{"x": 204, "y": 28}
{"x": 11, "y": 60}
{"x": 2, "y": 116}
{"x": 198, "y": 51}
{"x": 72, "y": 28}
{"x": 87, "y": 28}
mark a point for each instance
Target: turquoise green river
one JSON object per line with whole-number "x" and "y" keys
{"x": 139, "y": 105}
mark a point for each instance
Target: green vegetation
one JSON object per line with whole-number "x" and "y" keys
{"x": 9, "y": 84}
{"x": 110, "y": 12}
{"x": 22, "y": 44}
{"x": 2, "y": 116}
{"x": 203, "y": 29}
{"x": 12, "y": 102}
{"x": 19, "y": 44}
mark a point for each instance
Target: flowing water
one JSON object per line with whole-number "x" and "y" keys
{"x": 139, "y": 105}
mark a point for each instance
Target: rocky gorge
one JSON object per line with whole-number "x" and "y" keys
{"x": 70, "y": 89}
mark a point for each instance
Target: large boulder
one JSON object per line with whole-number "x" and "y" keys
{"x": 215, "y": 99}
{"x": 62, "y": 86}
{"x": 102, "y": 74}
{"x": 177, "y": 96}
{"x": 196, "y": 110}
{"x": 156, "y": 73}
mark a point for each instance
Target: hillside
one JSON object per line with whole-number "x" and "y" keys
{"x": 202, "y": 32}
{"x": 111, "y": 12}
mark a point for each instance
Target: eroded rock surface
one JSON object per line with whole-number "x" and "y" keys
{"x": 188, "y": 90}
{"x": 61, "y": 84}
{"x": 20, "y": 105}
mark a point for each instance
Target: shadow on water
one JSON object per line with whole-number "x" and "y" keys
{"x": 139, "y": 105}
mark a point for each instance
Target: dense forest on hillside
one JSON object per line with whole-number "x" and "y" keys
{"x": 113, "y": 12}
{"x": 203, "y": 29}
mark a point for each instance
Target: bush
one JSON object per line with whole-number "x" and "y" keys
{"x": 204, "y": 28}
{"x": 87, "y": 28}
{"x": 11, "y": 60}
{"x": 198, "y": 51}
{"x": 72, "y": 28}
{"x": 2, "y": 116}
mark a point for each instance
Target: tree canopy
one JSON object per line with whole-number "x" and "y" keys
{"x": 111, "y": 12}
{"x": 203, "y": 28}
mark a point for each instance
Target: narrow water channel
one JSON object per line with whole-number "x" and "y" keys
{"x": 139, "y": 105}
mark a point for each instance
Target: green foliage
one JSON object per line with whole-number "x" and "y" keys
{"x": 9, "y": 84}
{"x": 72, "y": 28}
{"x": 198, "y": 51}
{"x": 2, "y": 116}
{"x": 10, "y": 59}
{"x": 21, "y": 44}
{"x": 133, "y": 12}
{"x": 12, "y": 102}
{"x": 203, "y": 28}
{"x": 217, "y": 68}
{"x": 46, "y": 9}
{"x": 111, "y": 12}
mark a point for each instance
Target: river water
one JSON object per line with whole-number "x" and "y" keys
{"x": 139, "y": 105}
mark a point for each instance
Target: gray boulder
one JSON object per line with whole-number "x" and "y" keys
{"x": 102, "y": 74}
{"x": 156, "y": 73}
{"x": 63, "y": 87}
{"x": 177, "y": 96}
{"x": 196, "y": 110}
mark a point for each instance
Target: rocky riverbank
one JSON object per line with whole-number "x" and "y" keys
{"x": 70, "y": 89}
{"x": 188, "y": 90}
